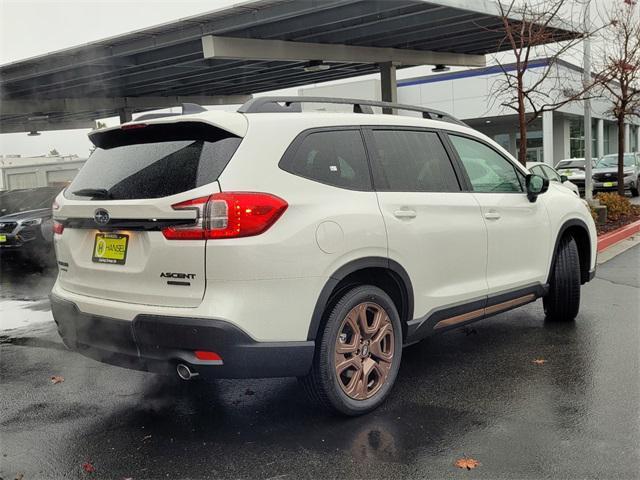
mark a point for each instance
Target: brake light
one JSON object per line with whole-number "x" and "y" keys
{"x": 133, "y": 126}
{"x": 228, "y": 215}
{"x": 58, "y": 228}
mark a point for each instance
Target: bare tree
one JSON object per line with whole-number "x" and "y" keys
{"x": 617, "y": 69}
{"x": 530, "y": 29}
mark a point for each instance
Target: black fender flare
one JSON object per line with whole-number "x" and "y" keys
{"x": 352, "y": 267}
{"x": 574, "y": 222}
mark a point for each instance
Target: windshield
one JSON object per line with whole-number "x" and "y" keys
{"x": 609, "y": 161}
{"x": 29, "y": 199}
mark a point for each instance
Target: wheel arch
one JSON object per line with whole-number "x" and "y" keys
{"x": 579, "y": 231}
{"x": 382, "y": 272}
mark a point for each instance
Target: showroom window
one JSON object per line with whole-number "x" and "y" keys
{"x": 576, "y": 138}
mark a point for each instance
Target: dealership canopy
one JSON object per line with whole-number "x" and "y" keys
{"x": 224, "y": 56}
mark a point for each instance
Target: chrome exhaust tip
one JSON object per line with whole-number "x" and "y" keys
{"x": 185, "y": 372}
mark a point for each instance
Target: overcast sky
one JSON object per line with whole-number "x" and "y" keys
{"x": 34, "y": 27}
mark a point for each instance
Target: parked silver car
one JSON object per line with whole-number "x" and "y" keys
{"x": 605, "y": 173}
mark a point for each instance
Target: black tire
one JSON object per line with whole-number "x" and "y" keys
{"x": 562, "y": 303}
{"x": 635, "y": 191}
{"x": 321, "y": 384}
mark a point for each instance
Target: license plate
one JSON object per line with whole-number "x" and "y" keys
{"x": 3, "y": 238}
{"x": 608, "y": 184}
{"x": 110, "y": 248}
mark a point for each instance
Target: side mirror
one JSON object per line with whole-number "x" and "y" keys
{"x": 563, "y": 178}
{"x": 536, "y": 185}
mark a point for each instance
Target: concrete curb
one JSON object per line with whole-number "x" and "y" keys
{"x": 611, "y": 238}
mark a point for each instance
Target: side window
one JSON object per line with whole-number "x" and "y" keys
{"x": 335, "y": 157}
{"x": 487, "y": 169}
{"x": 551, "y": 174}
{"x": 412, "y": 161}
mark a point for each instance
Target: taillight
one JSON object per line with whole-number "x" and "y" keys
{"x": 58, "y": 228}
{"x": 133, "y": 126}
{"x": 228, "y": 215}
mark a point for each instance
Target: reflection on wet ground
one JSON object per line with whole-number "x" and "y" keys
{"x": 476, "y": 393}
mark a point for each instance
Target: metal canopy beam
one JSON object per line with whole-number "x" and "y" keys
{"x": 215, "y": 47}
{"x": 17, "y": 107}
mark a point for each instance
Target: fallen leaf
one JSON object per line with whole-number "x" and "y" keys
{"x": 539, "y": 361}
{"x": 87, "y": 467}
{"x": 56, "y": 379}
{"x": 19, "y": 476}
{"x": 146, "y": 437}
{"x": 468, "y": 463}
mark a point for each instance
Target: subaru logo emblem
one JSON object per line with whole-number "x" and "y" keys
{"x": 101, "y": 216}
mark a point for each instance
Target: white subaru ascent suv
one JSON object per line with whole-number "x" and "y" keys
{"x": 273, "y": 242}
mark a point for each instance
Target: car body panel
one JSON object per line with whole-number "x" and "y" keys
{"x": 268, "y": 285}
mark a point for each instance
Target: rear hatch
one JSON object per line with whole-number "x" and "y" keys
{"x": 113, "y": 214}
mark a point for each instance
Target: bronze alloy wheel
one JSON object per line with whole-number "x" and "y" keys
{"x": 364, "y": 351}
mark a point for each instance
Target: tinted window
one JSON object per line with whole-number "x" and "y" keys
{"x": 335, "y": 157}
{"x": 154, "y": 168}
{"x": 412, "y": 161}
{"x": 487, "y": 169}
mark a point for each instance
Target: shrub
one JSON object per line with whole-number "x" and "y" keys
{"x": 617, "y": 206}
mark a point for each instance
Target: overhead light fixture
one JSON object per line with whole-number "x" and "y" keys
{"x": 33, "y": 133}
{"x": 38, "y": 117}
{"x": 487, "y": 121}
{"x": 316, "y": 66}
{"x": 440, "y": 68}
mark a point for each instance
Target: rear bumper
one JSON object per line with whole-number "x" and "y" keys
{"x": 158, "y": 343}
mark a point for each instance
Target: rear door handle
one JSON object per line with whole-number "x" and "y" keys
{"x": 405, "y": 214}
{"x": 492, "y": 216}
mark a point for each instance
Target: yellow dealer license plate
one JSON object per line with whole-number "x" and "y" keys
{"x": 608, "y": 184}
{"x": 3, "y": 238}
{"x": 110, "y": 248}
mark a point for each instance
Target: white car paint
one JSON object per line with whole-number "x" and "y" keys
{"x": 268, "y": 284}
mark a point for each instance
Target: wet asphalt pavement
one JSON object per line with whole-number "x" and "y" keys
{"x": 464, "y": 394}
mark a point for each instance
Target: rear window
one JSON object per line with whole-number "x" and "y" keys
{"x": 571, "y": 164}
{"x": 153, "y": 161}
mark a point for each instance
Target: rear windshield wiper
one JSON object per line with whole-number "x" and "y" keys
{"x": 93, "y": 192}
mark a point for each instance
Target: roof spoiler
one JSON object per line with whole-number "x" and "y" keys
{"x": 187, "y": 109}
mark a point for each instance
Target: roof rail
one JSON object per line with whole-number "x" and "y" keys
{"x": 187, "y": 109}
{"x": 294, "y": 104}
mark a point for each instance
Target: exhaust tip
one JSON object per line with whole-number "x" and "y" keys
{"x": 185, "y": 372}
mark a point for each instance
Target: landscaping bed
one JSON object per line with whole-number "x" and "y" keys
{"x": 620, "y": 212}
